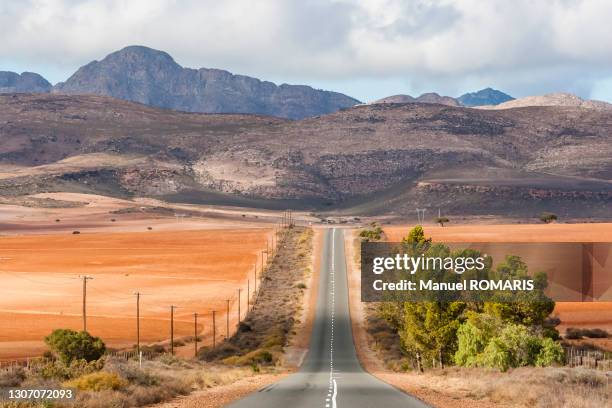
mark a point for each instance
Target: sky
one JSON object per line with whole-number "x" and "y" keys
{"x": 367, "y": 49}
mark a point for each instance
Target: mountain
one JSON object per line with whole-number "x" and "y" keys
{"x": 27, "y": 82}
{"x": 152, "y": 77}
{"x": 487, "y": 96}
{"x": 553, "y": 99}
{"x": 369, "y": 159}
{"x": 430, "y": 97}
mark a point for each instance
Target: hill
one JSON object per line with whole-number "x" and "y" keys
{"x": 554, "y": 99}
{"x": 383, "y": 158}
{"x": 152, "y": 77}
{"x": 430, "y": 97}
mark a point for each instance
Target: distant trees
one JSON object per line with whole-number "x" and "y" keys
{"x": 441, "y": 220}
{"x": 373, "y": 233}
{"x": 548, "y": 217}
{"x": 70, "y": 345}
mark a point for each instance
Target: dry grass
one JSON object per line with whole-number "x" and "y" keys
{"x": 267, "y": 329}
{"x": 522, "y": 387}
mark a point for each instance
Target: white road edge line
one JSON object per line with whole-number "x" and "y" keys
{"x": 334, "y": 395}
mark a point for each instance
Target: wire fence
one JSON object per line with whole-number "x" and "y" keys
{"x": 595, "y": 359}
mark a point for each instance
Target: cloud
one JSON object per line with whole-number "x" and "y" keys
{"x": 523, "y": 45}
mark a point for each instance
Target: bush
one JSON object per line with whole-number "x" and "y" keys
{"x": 56, "y": 369}
{"x": 483, "y": 342}
{"x": 550, "y": 353}
{"x": 259, "y": 356}
{"x": 573, "y": 333}
{"x": 548, "y": 217}
{"x": 70, "y": 345}
{"x": 99, "y": 381}
{"x": 372, "y": 234}
{"x": 12, "y": 377}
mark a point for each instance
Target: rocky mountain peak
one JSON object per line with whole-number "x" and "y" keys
{"x": 152, "y": 77}
{"x": 487, "y": 96}
{"x": 27, "y": 82}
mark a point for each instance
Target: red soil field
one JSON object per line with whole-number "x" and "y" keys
{"x": 572, "y": 314}
{"x": 194, "y": 270}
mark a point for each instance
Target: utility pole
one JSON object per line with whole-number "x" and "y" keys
{"x": 227, "y": 320}
{"x": 85, "y": 279}
{"x": 137, "y": 322}
{"x": 172, "y": 307}
{"x": 262, "y": 261}
{"x": 239, "y": 290}
{"x": 214, "y": 330}
{"x": 195, "y": 333}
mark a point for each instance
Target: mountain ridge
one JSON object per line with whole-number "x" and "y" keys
{"x": 384, "y": 158}
{"x": 152, "y": 77}
{"x": 12, "y": 82}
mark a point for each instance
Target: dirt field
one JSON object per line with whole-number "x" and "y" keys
{"x": 585, "y": 315}
{"x": 194, "y": 270}
{"x": 510, "y": 232}
{"x": 50, "y": 213}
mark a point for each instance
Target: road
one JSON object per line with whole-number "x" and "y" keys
{"x": 330, "y": 375}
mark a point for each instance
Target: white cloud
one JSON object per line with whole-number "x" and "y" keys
{"x": 525, "y": 46}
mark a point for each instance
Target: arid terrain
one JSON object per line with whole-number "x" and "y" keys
{"x": 195, "y": 270}
{"x": 374, "y": 159}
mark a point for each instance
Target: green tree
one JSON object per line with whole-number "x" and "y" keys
{"x": 71, "y": 345}
{"x": 548, "y": 217}
{"x": 416, "y": 236}
{"x": 441, "y": 220}
{"x": 429, "y": 329}
{"x": 530, "y": 308}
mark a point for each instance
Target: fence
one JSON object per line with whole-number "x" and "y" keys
{"x": 595, "y": 359}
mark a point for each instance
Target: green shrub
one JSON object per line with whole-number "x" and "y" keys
{"x": 550, "y": 353}
{"x": 548, "y": 217}
{"x": 57, "y": 369}
{"x": 373, "y": 234}
{"x": 493, "y": 344}
{"x": 98, "y": 382}
{"x": 71, "y": 345}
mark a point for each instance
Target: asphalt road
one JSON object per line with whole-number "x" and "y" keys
{"x": 330, "y": 375}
